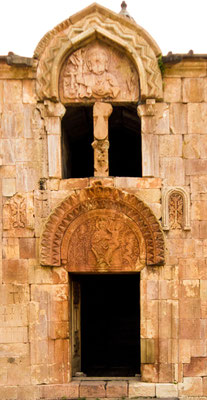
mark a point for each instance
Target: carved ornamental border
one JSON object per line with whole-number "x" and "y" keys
{"x": 96, "y": 22}
{"x": 166, "y": 195}
{"x": 99, "y": 199}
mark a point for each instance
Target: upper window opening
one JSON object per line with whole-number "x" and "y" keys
{"x": 125, "y": 158}
{"x": 124, "y": 133}
{"x": 77, "y": 136}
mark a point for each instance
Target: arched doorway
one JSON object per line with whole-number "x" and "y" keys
{"x": 103, "y": 237}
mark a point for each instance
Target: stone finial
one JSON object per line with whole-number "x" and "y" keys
{"x": 124, "y": 11}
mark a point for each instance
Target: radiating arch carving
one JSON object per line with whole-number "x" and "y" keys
{"x": 96, "y": 22}
{"x": 176, "y": 208}
{"x": 102, "y": 229}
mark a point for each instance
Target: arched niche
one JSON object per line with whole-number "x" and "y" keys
{"x": 176, "y": 208}
{"x": 97, "y": 23}
{"x": 102, "y": 229}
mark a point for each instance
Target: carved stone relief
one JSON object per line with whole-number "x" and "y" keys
{"x": 100, "y": 23}
{"x": 176, "y": 214}
{"x": 101, "y": 113}
{"x": 102, "y": 229}
{"x": 176, "y": 209}
{"x": 18, "y": 216}
{"x": 98, "y": 71}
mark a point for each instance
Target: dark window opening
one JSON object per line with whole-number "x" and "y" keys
{"x": 110, "y": 327}
{"x": 77, "y": 136}
{"x": 125, "y": 157}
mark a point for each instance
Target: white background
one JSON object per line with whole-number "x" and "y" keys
{"x": 176, "y": 25}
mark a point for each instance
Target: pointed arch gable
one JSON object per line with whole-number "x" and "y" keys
{"x": 102, "y": 229}
{"x": 81, "y": 28}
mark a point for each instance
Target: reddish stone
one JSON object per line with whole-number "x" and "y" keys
{"x": 27, "y": 247}
{"x": 15, "y": 271}
{"x": 116, "y": 389}
{"x": 92, "y": 389}
{"x": 197, "y": 367}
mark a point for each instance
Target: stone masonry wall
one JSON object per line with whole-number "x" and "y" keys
{"x": 34, "y": 306}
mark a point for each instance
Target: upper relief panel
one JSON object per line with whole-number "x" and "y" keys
{"x": 67, "y": 55}
{"x": 98, "y": 71}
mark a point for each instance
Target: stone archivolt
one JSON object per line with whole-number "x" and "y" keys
{"x": 91, "y": 24}
{"x": 102, "y": 229}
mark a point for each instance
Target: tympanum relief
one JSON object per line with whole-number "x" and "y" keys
{"x": 98, "y": 71}
{"x": 103, "y": 242}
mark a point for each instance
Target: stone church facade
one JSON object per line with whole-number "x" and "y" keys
{"x": 103, "y": 174}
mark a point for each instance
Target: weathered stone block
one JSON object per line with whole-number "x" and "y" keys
{"x": 173, "y": 170}
{"x": 150, "y": 159}
{"x": 149, "y": 372}
{"x": 8, "y": 187}
{"x": 190, "y": 307}
{"x": 191, "y": 387}
{"x": 92, "y": 389}
{"x": 28, "y": 176}
{"x": 8, "y": 393}
{"x": 69, "y": 391}
{"x": 170, "y": 146}
{"x": 191, "y": 146}
{"x": 196, "y": 367}
{"x": 166, "y": 390}
{"x": 29, "y": 91}
{"x": 172, "y": 90}
{"x": 10, "y": 248}
{"x": 197, "y": 118}
{"x": 15, "y": 271}
{"x": 141, "y": 389}
{"x": 190, "y": 328}
{"x": 27, "y": 247}
{"x": 184, "y": 350}
{"x": 12, "y": 91}
{"x": 116, "y": 389}
{"x": 193, "y": 90}
{"x": 74, "y": 183}
{"x": 54, "y": 156}
{"x": 147, "y": 350}
{"x": 199, "y": 210}
{"x": 8, "y": 151}
{"x": 190, "y": 288}
{"x": 53, "y": 125}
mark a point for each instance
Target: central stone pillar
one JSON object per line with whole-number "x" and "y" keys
{"x": 101, "y": 114}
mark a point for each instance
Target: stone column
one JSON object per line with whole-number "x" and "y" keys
{"x": 101, "y": 113}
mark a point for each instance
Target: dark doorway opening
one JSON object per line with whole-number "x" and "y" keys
{"x": 110, "y": 331}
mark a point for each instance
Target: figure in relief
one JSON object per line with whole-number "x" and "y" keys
{"x": 176, "y": 211}
{"x": 102, "y": 243}
{"x": 86, "y": 75}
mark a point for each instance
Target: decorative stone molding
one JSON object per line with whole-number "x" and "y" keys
{"x": 176, "y": 208}
{"x": 102, "y": 229}
{"x": 97, "y": 23}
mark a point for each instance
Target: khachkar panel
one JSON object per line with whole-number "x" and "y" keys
{"x": 176, "y": 209}
{"x": 102, "y": 229}
{"x": 18, "y": 216}
{"x": 98, "y": 71}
